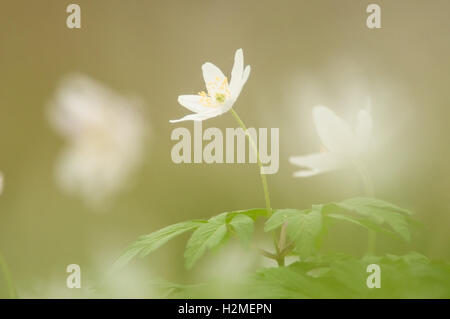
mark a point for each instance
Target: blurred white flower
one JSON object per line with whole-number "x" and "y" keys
{"x": 54, "y": 287}
{"x": 104, "y": 133}
{"x": 132, "y": 282}
{"x": 232, "y": 262}
{"x": 1, "y": 183}
{"x": 220, "y": 95}
{"x": 342, "y": 145}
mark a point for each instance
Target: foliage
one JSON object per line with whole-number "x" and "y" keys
{"x": 315, "y": 275}
{"x": 304, "y": 228}
{"x": 341, "y": 276}
{"x": 207, "y": 235}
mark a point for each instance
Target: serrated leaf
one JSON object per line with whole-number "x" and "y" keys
{"x": 374, "y": 202}
{"x": 285, "y": 283}
{"x": 240, "y": 221}
{"x": 295, "y": 281}
{"x": 253, "y": 213}
{"x": 367, "y": 224}
{"x": 341, "y": 276}
{"x": 380, "y": 212}
{"x": 280, "y": 216}
{"x": 205, "y": 237}
{"x": 149, "y": 243}
{"x": 219, "y": 219}
{"x": 318, "y": 272}
{"x": 398, "y": 223}
{"x": 303, "y": 229}
{"x": 243, "y": 226}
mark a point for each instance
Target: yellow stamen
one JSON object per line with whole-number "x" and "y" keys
{"x": 218, "y": 92}
{"x": 220, "y": 97}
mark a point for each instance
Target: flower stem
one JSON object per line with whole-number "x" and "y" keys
{"x": 369, "y": 191}
{"x": 8, "y": 278}
{"x": 279, "y": 256}
{"x": 255, "y": 148}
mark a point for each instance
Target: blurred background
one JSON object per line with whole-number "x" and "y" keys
{"x": 302, "y": 53}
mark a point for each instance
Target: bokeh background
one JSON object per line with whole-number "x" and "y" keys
{"x": 302, "y": 53}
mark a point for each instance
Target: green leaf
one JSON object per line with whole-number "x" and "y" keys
{"x": 284, "y": 283}
{"x": 253, "y": 213}
{"x": 280, "y": 216}
{"x": 243, "y": 226}
{"x": 167, "y": 289}
{"x": 377, "y": 211}
{"x": 205, "y": 237}
{"x": 304, "y": 230}
{"x": 303, "y": 227}
{"x": 298, "y": 280}
{"x": 149, "y": 243}
{"x": 367, "y": 224}
{"x": 216, "y": 230}
{"x": 342, "y": 276}
{"x": 412, "y": 257}
{"x": 375, "y": 202}
{"x": 412, "y": 276}
{"x": 351, "y": 274}
{"x": 208, "y": 235}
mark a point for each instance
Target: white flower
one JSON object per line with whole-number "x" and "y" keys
{"x": 220, "y": 95}
{"x": 341, "y": 142}
{"x": 104, "y": 134}
{"x": 1, "y": 183}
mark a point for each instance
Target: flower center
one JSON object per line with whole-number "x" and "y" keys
{"x": 220, "y": 97}
{"x": 218, "y": 92}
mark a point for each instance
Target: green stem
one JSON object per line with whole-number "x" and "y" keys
{"x": 255, "y": 148}
{"x": 9, "y": 282}
{"x": 369, "y": 191}
{"x": 283, "y": 235}
{"x": 279, "y": 256}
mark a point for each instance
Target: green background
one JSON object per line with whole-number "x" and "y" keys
{"x": 302, "y": 53}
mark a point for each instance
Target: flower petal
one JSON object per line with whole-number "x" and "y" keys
{"x": 335, "y": 134}
{"x": 363, "y": 129}
{"x": 225, "y": 107}
{"x": 246, "y": 74}
{"x": 237, "y": 71}
{"x": 195, "y": 117}
{"x": 191, "y": 102}
{"x": 237, "y": 90}
{"x": 315, "y": 164}
{"x": 210, "y": 74}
